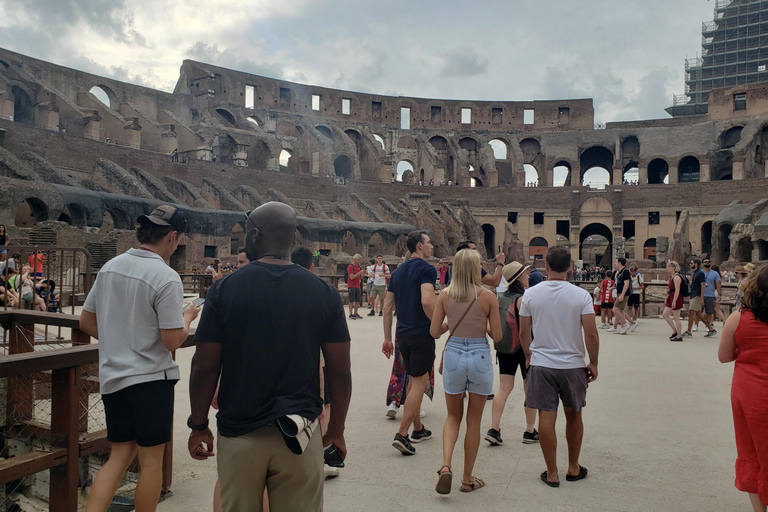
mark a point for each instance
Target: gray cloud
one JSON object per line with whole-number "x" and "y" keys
{"x": 210, "y": 54}
{"x": 463, "y": 62}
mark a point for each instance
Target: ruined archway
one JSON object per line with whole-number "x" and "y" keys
{"x": 439, "y": 143}
{"x": 237, "y": 237}
{"x": 226, "y": 115}
{"x": 349, "y": 243}
{"x": 475, "y": 182}
{"x": 688, "y": 170}
{"x": 342, "y": 167}
{"x": 658, "y": 171}
{"x": 105, "y": 95}
{"x": 324, "y": 130}
{"x": 706, "y": 238}
{"x": 596, "y": 177}
{"x": 500, "y": 148}
{"x": 561, "y": 174}
{"x": 596, "y": 156}
{"x": 469, "y": 144}
{"x": 402, "y": 167}
{"x": 376, "y": 245}
{"x": 31, "y": 211}
{"x": 596, "y": 229}
{"x": 532, "y": 178}
{"x": 724, "y": 237}
{"x": 490, "y": 239}
{"x": 23, "y": 109}
{"x": 631, "y": 173}
{"x": 537, "y": 248}
{"x": 731, "y": 137}
{"x": 649, "y": 249}
{"x": 259, "y": 155}
{"x": 285, "y": 161}
{"x": 76, "y": 214}
{"x": 120, "y": 219}
{"x": 227, "y": 148}
{"x": 356, "y": 138}
{"x": 722, "y": 166}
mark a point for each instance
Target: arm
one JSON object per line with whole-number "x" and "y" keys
{"x": 495, "y": 279}
{"x": 428, "y": 299}
{"x": 493, "y": 317}
{"x": 728, "y": 351}
{"x": 678, "y": 281}
{"x": 339, "y": 375}
{"x": 88, "y": 324}
{"x": 526, "y": 337}
{"x": 592, "y": 341}
{"x": 439, "y": 327}
{"x": 175, "y": 338}
{"x": 203, "y": 378}
{"x": 389, "y": 305}
{"x": 718, "y": 288}
{"x": 703, "y": 287}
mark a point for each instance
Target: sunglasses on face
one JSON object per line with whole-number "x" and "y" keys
{"x": 249, "y": 221}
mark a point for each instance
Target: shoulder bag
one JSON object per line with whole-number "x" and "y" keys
{"x": 451, "y": 331}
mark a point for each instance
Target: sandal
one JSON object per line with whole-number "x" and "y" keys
{"x": 473, "y": 485}
{"x": 582, "y": 475}
{"x": 551, "y": 484}
{"x": 444, "y": 481}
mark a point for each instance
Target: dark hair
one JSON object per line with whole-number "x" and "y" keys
{"x": 242, "y": 249}
{"x": 7, "y": 271}
{"x": 515, "y": 287}
{"x": 379, "y": 256}
{"x": 302, "y": 256}
{"x": 414, "y": 239}
{"x": 622, "y": 260}
{"x": 150, "y": 234}
{"x": 464, "y": 244}
{"x": 372, "y": 261}
{"x": 16, "y": 256}
{"x": 559, "y": 258}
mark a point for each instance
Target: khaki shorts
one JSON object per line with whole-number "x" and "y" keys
{"x": 694, "y": 304}
{"x": 621, "y": 304}
{"x": 380, "y": 290}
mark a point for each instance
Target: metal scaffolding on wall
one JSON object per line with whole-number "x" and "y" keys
{"x": 734, "y": 51}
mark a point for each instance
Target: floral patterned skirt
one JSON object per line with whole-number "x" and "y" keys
{"x": 398, "y": 381}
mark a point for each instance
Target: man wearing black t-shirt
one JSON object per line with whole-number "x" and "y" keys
{"x": 486, "y": 278}
{"x": 269, "y": 365}
{"x": 411, "y": 292}
{"x": 623, "y": 290}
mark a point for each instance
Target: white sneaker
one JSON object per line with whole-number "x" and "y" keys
{"x": 392, "y": 411}
{"x": 612, "y": 329}
{"x": 423, "y": 414}
{"x": 602, "y": 326}
{"x": 330, "y": 471}
{"x": 634, "y": 326}
{"x": 625, "y": 329}
{"x": 695, "y": 328}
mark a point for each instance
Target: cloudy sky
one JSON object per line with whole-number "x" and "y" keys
{"x": 627, "y": 55}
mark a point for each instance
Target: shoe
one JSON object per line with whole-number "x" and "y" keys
{"x": 602, "y": 326}
{"x": 392, "y": 411}
{"x": 581, "y": 476}
{"x": 612, "y": 329}
{"x": 634, "y": 326}
{"x": 687, "y": 335}
{"x": 624, "y": 329}
{"x": 551, "y": 484}
{"x": 494, "y": 437}
{"x": 418, "y": 436}
{"x": 403, "y": 444}
{"x": 444, "y": 481}
{"x": 710, "y": 333}
{"x": 679, "y": 338}
{"x": 490, "y": 397}
{"x": 695, "y": 328}
{"x": 473, "y": 485}
{"x": 330, "y": 471}
{"x": 381, "y": 313}
{"x": 530, "y": 437}
{"x": 352, "y": 317}
{"x": 674, "y": 335}
{"x": 357, "y": 316}
{"x": 372, "y": 313}
{"x": 423, "y": 414}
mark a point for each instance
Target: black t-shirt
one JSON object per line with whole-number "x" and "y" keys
{"x": 621, "y": 278}
{"x": 698, "y": 278}
{"x": 406, "y": 283}
{"x": 271, "y": 321}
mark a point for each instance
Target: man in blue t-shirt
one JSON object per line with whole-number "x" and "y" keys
{"x": 411, "y": 291}
{"x": 698, "y": 282}
{"x": 711, "y": 292}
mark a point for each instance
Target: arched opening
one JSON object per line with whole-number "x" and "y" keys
{"x": 226, "y": 115}
{"x": 469, "y": 144}
{"x": 356, "y": 138}
{"x": 253, "y": 120}
{"x": 376, "y": 245}
{"x": 658, "y": 171}
{"x": 490, "y": 239}
{"x": 596, "y": 177}
{"x": 743, "y": 252}
{"x": 451, "y": 170}
{"x": 118, "y": 218}
{"x": 31, "y": 211}
{"x": 421, "y": 177}
{"x": 324, "y": 130}
{"x": 439, "y": 143}
{"x": 178, "y": 261}
{"x": 104, "y": 95}
{"x": 706, "y": 238}
{"x": 342, "y": 166}
{"x": 596, "y": 156}
{"x": 599, "y": 246}
{"x": 531, "y": 176}
{"x": 403, "y": 166}
{"x": 688, "y": 170}
{"x": 380, "y": 140}
{"x": 236, "y": 237}
{"x": 227, "y": 148}
{"x": 407, "y": 142}
{"x": 724, "y": 236}
{"x": 731, "y": 137}
{"x": 500, "y": 149}
{"x": 630, "y": 149}
{"x": 475, "y": 182}
{"x": 537, "y": 248}
{"x": 76, "y": 215}
{"x": 722, "y": 166}
{"x": 561, "y": 174}
{"x": 65, "y": 217}
{"x": 631, "y": 174}
{"x": 23, "y": 111}
{"x": 649, "y": 249}
{"x": 762, "y": 250}
{"x": 285, "y": 157}
{"x": 259, "y": 155}
{"x": 349, "y": 243}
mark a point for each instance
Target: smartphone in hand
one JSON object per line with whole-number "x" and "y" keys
{"x": 197, "y": 303}
{"x": 332, "y": 457}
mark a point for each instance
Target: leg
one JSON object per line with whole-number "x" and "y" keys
{"x": 217, "y": 497}
{"x": 506, "y": 385}
{"x": 667, "y": 316}
{"x": 691, "y": 318}
{"x": 412, "y": 406}
{"x": 242, "y": 464}
{"x": 619, "y": 316}
{"x": 574, "y": 433}
{"x": 705, "y": 319}
{"x": 530, "y": 416}
{"x": 295, "y": 482}
{"x": 472, "y": 436}
{"x": 150, "y": 478}
{"x": 548, "y": 442}
{"x": 678, "y": 324}
{"x": 455, "y": 404}
{"x": 754, "y": 499}
{"x": 105, "y": 484}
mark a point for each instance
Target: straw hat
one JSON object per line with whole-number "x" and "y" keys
{"x": 749, "y": 267}
{"x": 739, "y": 270}
{"x": 512, "y": 271}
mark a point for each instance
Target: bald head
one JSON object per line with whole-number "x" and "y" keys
{"x": 270, "y": 231}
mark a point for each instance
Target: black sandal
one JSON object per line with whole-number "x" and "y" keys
{"x": 581, "y": 476}
{"x": 551, "y": 484}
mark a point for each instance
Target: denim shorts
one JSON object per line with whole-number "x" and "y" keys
{"x": 467, "y": 366}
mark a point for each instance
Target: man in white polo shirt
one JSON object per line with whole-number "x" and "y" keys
{"x": 552, "y": 316}
{"x": 135, "y": 310}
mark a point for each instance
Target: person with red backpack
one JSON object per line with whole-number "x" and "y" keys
{"x": 606, "y": 301}
{"x": 509, "y": 353}
{"x": 380, "y": 275}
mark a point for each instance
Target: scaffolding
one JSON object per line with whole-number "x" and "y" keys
{"x": 734, "y": 51}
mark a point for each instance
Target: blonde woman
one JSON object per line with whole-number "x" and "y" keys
{"x": 472, "y": 312}
{"x": 674, "y": 303}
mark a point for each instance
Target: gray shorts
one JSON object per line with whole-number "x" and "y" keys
{"x": 545, "y": 387}
{"x": 709, "y": 305}
{"x": 355, "y": 295}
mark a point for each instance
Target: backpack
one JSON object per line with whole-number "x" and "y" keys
{"x": 685, "y": 286}
{"x": 510, "y": 330}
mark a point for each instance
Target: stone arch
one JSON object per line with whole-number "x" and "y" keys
{"x": 475, "y": 182}
{"x": 356, "y": 138}
{"x": 596, "y": 156}
{"x": 630, "y": 149}
{"x": 227, "y": 148}
{"x": 105, "y": 95}
{"x": 731, "y": 137}
{"x": 349, "y": 243}
{"x": 377, "y": 245}
{"x": 253, "y": 120}
{"x": 688, "y": 169}
{"x": 593, "y": 229}
{"x": 324, "y": 130}
{"x": 407, "y": 142}
{"x": 532, "y": 177}
{"x": 403, "y": 166}
{"x": 119, "y": 218}
{"x": 531, "y": 149}
{"x": 500, "y": 148}
{"x": 724, "y": 239}
{"x": 469, "y": 143}
{"x": 227, "y": 116}
{"x": 649, "y": 249}
{"x": 237, "y": 237}
{"x": 561, "y": 174}
{"x": 31, "y": 211}
{"x": 342, "y": 167}
{"x": 287, "y": 161}
{"x": 722, "y": 166}
{"x": 658, "y": 171}
{"x": 259, "y": 155}
{"x": 489, "y": 233}
{"x": 439, "y": 143}
{"x": 23, "y": 108}
{"x": 537, "y": 248}
{"x": 706, "y": 238}
{"x": 378, "y": 138}
{"x": 631, "y": 172}
{"x": 76, "y": 214}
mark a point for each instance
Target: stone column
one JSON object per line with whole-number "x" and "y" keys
{"x": 738, "y": 169}
{"x": 673, "y": 174}
{"x": 704, "y": 172}
{"x": 618, "y": 176}
{"x": 642, "y": 175}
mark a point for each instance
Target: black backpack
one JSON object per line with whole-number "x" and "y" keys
{"x": 685, "y": 286}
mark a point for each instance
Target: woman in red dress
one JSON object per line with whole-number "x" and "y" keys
{"x": 674, "y": 303}
{"x": 745, "y": 340}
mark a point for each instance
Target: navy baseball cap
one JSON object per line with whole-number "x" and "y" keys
{"x": 165, "y": 215}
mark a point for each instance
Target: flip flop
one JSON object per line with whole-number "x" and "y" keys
{"x": 581, "y": 476}
{"x": 551, "y": 484}
{"x": 473, "y": 485}
{"x": 444, "y": 481}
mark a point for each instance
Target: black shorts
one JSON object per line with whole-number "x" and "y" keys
{"x": 355, "y": 295}
{"x": 634, "y": 300}
{"x": 606, "y": 305}
{"x": 508, "y": 363}
{"x": 418, "y": 354}
{"x": 142, "y": 413}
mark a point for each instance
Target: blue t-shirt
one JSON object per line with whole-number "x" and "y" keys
{"x": 711, "y": 277}
{"x": 406, "y": 283}
{"x": 698, "y": 278}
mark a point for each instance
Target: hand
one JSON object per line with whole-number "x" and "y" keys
{"x": 191, "y": 312}
{"x": 338, "y": 441}
{"x": 387, "y": 348}
{"x": 215, "y": 276}
{"x": 591, "y": 372}
{"x": 621, "y": 297}
{"x": 527, "y": 360}
{"x": 501, "y": 258}
{"x": 200, "y": 444}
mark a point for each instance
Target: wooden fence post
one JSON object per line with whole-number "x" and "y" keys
{"x": 21, "y": 391}
{"x": 64, "y": 434}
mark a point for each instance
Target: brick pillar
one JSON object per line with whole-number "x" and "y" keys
{"x": 673, "y": 174}
{"x": 642, "y": 175}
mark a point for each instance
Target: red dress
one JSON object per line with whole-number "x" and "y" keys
{"x": 749, "y": 400}
{"x": 679, "y": 303}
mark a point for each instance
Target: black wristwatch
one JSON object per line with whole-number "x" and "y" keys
{"x": 199, "y": 428}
